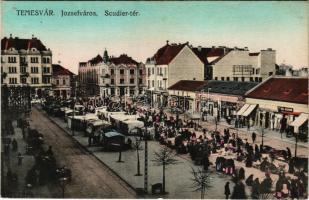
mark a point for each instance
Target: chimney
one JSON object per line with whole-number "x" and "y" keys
{"x": 199, "y": 48}
{"x": 213, "y": 47}
{"x": 269, "y": 49}
{"x": 11, "y": 35}
{"x": 246, "y": 48}
{"x": 167, "y": 42}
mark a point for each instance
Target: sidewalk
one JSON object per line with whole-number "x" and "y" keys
{"x": 10, "y": 161}
{"x": 271, "y": 138}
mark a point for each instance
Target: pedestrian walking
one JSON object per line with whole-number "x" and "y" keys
{"x": 20, "y": 159}
{"x": 253, "y": 137}
{"x": 227, "y": 191}
{"x": 14, "y": 145}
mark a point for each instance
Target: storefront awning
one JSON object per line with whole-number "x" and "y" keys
{"x": 243, "y": 109}
{"x": 249, "y": 110}
{"x": 300, "y": 120}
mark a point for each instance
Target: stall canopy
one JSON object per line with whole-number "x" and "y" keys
{"x": 243, "y": 109}
{"x": 300, "y": 120}
{"x": 249, "y": 110}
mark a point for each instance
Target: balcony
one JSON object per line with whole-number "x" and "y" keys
{"x": 105, "y": 76}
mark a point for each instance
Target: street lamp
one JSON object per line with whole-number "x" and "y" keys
{"x": 62, "y": 182}
{"x": 74, "y": 108}
{"x": 296, "y": 141}
{"x": 146, "y": 158}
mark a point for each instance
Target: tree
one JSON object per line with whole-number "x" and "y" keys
{"x": 137, "y": 147}
{"x": 201, "y": 180}
{"x": 164, "y": 157}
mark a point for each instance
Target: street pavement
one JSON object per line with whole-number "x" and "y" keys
{"x": 90, "y": 178}
{"x": 10, "y": 161}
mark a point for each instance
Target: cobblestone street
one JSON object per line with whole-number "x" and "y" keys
{"x": 90, "y": 178}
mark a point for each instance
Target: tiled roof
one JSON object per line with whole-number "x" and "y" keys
{"x": 123, "y": 59}
{"x": 188, "y": 85}
{"x": 18, "y": 44}
{"x": 287, "y": 89}
{"x": 96, "y": 60}
{"x": 167, "y": 53}
{"x": 59, "y": 70}
{"x": 203, "y": 53}
{"x": 229, "y": 87}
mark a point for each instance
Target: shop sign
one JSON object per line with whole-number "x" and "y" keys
{"x": 284, "y": 109}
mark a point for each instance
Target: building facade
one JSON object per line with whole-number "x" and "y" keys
{"x": 62, "y": 82}
{"x": 241, "y": 65}
{"x": 280, "y": 101}
{"x": 90, "y": 76}
{"x": 26, "y": 62}
{"x": 127, "y": 76}
{"x": 170, "y": 64}
{"x": 111, "y": 76}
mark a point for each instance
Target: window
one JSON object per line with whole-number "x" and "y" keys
{"x": 112, "y": 72}
{"x": 251, "y": 79}
{"x": 121, "y": 81}
{"x": 270, "y": 73}
{"x": 24, "y": 80}
{"x": 141, "y": 72}
{"x": 34, "y": 59}
{"x": 12, "y": 59}
{"x": 46, "y": 60}
{"x": 228, "y": 78}
{"x": 22, "y": 59}
{"x": 235, "y": 78}
{"x": 34, "y": 80}
{"x": 158, "y": 71}
{"x": 131, "y": 80}
{"x": 112, "y": 91}
{"x": 46, "y": 80}
{"x": 153, "y": 83}
{"x": 57, "y": 82}
{"x": 46, "y": 70}
{"x": 216, "y": 78}
{"x": 148, "y": 83}
{"x": 12, "y": 70}
{"x": 34, "y": 70}
{"x": 152, "y": 69}
{"x": 13, "y": 80}
{"x": 122, "y": 71}
{"x": 63, "y": 82}
{"x": 242, "y": 79}
{"x": 222, "y": 78}
{"x": 23, "y": 70}
{"x": 260, "y": 79}
{"x": 140, "y": 81}
{"x": 132, "y": 71}
{"x": 257, "y": 71}
{"x": 112, "y": 81}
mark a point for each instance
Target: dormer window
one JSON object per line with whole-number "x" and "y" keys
{"x": 33, "y": 49}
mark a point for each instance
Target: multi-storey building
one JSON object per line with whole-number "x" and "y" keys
{"x": 26, "y": 61}
{"x": 241, "y": 65}
{"x": 62, "y": 81}
{"x": 114, "y": 76}
{"x": 170, "y": 64}
{"x": 126, "y": 76}
{"x": 90, "y": 75}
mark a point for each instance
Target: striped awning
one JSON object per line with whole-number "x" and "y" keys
{"x": 249, "y": 110}
{"x": 243, "y": 109}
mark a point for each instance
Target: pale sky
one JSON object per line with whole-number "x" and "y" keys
{"x": 282, "y": 26}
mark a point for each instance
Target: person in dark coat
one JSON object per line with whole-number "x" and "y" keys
{"x": 255, "y": 189}
{"x": 227, "y": 191}
{"x": 253, "y": 136}
{"x": 249, "y": 180}
{"x": 14, "y": 145}
{"x": 241, "y": 173}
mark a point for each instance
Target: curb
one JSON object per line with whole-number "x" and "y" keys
{"x": 88, "y": 151}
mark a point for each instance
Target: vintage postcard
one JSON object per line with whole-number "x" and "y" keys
{"x": 159, "y": 99}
